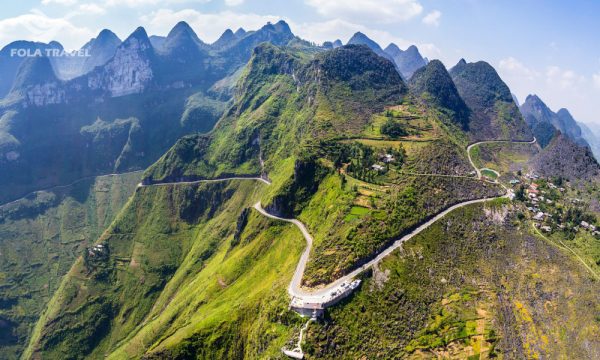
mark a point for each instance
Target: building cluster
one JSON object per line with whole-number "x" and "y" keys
{"x": 314, "y": 306}
{"x": 544, "y": 198}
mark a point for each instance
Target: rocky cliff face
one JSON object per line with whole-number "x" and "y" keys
{"x": 563, "y": 157}
{"x": 544, "y": 122}
{"x": 130, "y": 71}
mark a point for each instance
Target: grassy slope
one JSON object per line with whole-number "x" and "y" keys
{"x": 40, "y": 237}
{"x": 181, "y": 304}
{"x": 474, "y": 283}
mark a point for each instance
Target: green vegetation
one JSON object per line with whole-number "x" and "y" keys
{"x": 40, "y": 238}
{"x": 192, "y": 271}
{"x": 393, "y": 129}
{"x": 450, "y": 293}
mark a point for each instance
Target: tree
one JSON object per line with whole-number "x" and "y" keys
{"x": 393, "y": 129}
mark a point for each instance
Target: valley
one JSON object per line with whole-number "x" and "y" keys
{"x": 266, "y": 197}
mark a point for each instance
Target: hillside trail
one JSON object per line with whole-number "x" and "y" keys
{"x": 295, "y": 288}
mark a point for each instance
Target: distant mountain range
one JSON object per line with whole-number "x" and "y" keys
{"x": 132, "y": 101}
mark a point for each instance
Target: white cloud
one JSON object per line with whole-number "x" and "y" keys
{"x": 142, "y": 3}
{"x": 59, "y": 2}
{"x": 234, "y": 2}
{"x": 36, "y": 26}
{"x": 367, "y": 11}
{"x": 565, "y": 79}
{"x": 511, "y": 67}
{"x": 91, "y": 9}
{"x": 596, "y": 78}
{"x": 433, "y": 18}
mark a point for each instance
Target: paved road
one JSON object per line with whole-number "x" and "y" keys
{"x": 295, "y": 288}
{"x": 206, "y": 181}
{"x": 69, "y": 185}
{"x": 489, "y": 142}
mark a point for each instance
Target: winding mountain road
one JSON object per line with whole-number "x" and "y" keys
{"x": 295, "y": 289}
{"x": 478, "y": 170}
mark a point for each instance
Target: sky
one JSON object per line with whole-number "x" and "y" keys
{"x": 548, "y": 48}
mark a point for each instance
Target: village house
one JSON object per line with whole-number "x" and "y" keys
{"x": 387, "y": 158}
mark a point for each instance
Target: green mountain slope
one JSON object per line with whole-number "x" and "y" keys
{"x": 472, "y": 285}
{"x": 40, "y": 238}
{"x": 433, "y": 83}
{"x": 335, "y": 140}
{"x": 494, "y": 114}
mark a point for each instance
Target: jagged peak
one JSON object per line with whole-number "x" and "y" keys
{"x": 182, "y": 28}
{"x": 393, "y": 47}
{"x": 55, "y": 45}
{"x": 139, "y": 33}
{"x": 461, "y": 62}
{"x": 107, "y": 35}
{"x": 338, "y": 43}
{"x": 413, "y": 49}
{"x": 280, "y": 26}
{"x": 564, "y": 112}
{"x": 240, "y": 32}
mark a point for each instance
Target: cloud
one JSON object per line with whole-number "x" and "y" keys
{"x": 142, "y": 3}
{"x": 91, "y": 9}
{"x": 59, "y": 2}
{"x": 368, "y": 11}
{"x": 596, "y": 78}
{"x": 433, "y": 18}
{"x": 234, "y": 2}
{"x": 565, "y": 79}
{"x": 36, "y": 26}
{"x": 512, "y": 67}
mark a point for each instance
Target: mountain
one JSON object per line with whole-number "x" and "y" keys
{"x": 37, "y": 84}
{"x": 9, "y": 63}
{"x": 98, "y": 51}
{"x": 408, "y": 61}
{"x": 494, "y": 114}
{"x": 591, "y": 136}
{"x": 101, "y": 50}
{"x": 225, "y": 40}
{"x": 272, "y": 167}
{"x": 564, "y": 158}
{"x": 193, "y": 270}
{"x": 362, "y": 39}
{"x": 158, "y": 42}
{"x": 130, "y": 71}
{"x": 434, "y": 84}
{"x": 539, "y": 118}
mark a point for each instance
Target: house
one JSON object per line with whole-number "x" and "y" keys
{"x": 539, "y": 216}
{"x": 515, "y": 182}
{"x": 387, "y": 158}
{"x": 377, "y": 167}
{"x": 546, "y": 228}
{"x": 533, "y": 186}
{"x": 585, "y": 225}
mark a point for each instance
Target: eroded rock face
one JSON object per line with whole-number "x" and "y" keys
{"x": 129, "y": 72}
{"x": 45, "y": 94}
